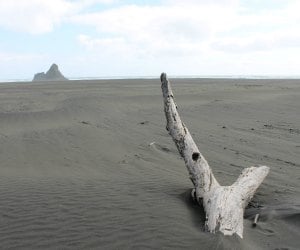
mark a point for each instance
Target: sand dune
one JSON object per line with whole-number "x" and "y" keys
{"x": 89, "y": 165}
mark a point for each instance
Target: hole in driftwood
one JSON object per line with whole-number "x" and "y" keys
{"x": 195, "y": 156}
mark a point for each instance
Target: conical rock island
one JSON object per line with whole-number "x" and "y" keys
{"x": 53, "y": 74}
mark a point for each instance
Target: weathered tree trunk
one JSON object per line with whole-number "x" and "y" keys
{"x": 224, "y": 205}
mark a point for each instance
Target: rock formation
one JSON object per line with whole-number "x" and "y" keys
{"x": 53, "y": 74}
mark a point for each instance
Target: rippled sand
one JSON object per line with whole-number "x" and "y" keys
{"x": 89, "y": 164}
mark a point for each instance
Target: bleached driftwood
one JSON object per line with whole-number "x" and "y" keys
{"x": 224, "y": 205}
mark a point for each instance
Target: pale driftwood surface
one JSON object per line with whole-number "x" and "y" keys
{"x": 224, "y": 205}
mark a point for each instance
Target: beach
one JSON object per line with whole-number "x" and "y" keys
{"x": 90, "y": 165}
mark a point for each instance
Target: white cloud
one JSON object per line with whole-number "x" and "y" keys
{"x": 268, "y": 30}
{"x": 33, "y": 16}
{"x": 39, "y": 16}
{"x": 187, "y": 27}
{"x": 199, "y": 37}
{"x": 259, "y": 42}
{"x": 156, "y": 30}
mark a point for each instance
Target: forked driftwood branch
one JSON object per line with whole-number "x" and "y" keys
{"x": 224, "y": 205}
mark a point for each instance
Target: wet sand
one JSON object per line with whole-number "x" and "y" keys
{"x": 79, "y": 169}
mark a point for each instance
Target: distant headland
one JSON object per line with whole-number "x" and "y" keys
{"x": 53, "y": 74}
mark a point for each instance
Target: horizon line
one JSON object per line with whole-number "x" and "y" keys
{"x": 169, "y": 76}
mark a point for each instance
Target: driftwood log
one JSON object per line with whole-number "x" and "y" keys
{"x": 224, "y": 205}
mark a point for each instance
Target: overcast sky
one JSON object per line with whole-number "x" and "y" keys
{"x": 103, "y": 38}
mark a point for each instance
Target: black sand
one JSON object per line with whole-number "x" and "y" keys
{"x": 78, "y": 172}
